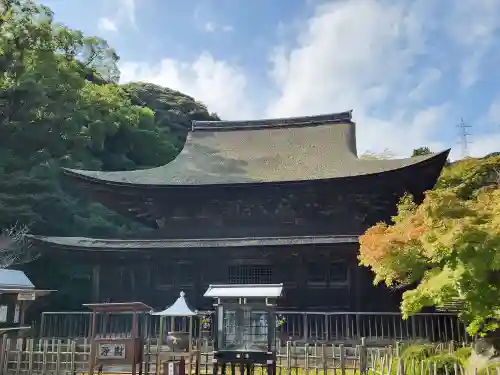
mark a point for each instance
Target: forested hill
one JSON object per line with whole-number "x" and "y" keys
{"x": 173, "y": 110}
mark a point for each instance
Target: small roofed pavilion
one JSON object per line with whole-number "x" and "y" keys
{"x": 17, "y": 292}
{"x": 177, "y": 339}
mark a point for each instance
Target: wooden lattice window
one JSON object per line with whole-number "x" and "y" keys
{"x": 339, "y": 272}
{"x": 250, "y": 274}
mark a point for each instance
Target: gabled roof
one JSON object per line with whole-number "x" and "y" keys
{"x": 274, "y": 150}
{"x": 14, "y": 279}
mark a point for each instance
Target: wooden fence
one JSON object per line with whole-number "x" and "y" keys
{"x": 25, "y": 356}
{"x": 298, "y": 326}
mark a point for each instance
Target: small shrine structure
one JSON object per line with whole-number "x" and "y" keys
{"x": 108, "y": 349}
{"x": 245, "y": 326}
{"x": 17, "y": 293}
{"x": 180, "y": 342}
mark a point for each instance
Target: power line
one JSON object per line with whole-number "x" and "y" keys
{"x": 464, "y": 137}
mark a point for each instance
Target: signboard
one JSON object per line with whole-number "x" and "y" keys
{"x": 173, "y": 368}
{"x": 17, "y": 312}
{"x": 111, "y": 351}
{"x": 3, "y": 313}
{"x": 26, "y": 296}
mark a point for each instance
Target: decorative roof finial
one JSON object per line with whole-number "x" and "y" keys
{"x": 182, "y": 294}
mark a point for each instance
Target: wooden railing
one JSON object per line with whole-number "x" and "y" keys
{"x": 297, "y": 326}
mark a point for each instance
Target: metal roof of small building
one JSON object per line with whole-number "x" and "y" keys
{"x": 179, "y": 308}
{"x": 14, "y": 279}
{"x": 275, "y": 150}
{"x": 244, "y": 291}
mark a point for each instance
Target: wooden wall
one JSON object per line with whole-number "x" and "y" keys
{"x": 315, "y": 278}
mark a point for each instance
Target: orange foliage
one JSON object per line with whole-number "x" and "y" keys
{"x": 389, "y": 250}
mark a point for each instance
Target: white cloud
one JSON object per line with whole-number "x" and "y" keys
{"x": 482, "y": 18}
{"x": 352, "y": 55}
{"x": 217, "y": 84}
{"x": 484, "y": 144}
{"x": 120, "y": 13}
{"x": 357, "y": 54}
{"x": 129, "y": 8}
{"x": 494, "y": 111}
{"x": 107, "y": 25}
{"x": 429, "y": 79}
{"x": 205, "y": 19}
{"x": 211, "y": 27}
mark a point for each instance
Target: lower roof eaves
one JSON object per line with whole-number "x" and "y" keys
{"x": 102, "y": 245}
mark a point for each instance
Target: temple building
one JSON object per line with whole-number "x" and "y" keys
{"x": 265, "y": 201}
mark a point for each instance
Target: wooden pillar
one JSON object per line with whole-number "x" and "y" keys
{"x": 301, "y": 272}
{"x": 198, "y": 282}
{"x": 148, "y": 282}
{"x": 133, "y": 286}
{"x": 355, "y": 284}
{"x": 96, "y": 283}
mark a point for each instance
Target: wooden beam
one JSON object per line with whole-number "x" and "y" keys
{"x": 96, "y": 283}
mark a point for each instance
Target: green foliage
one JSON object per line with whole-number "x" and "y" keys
{"x": 490, "y": 369}
{"x": 445, "y": 250}
{"x": 444, "y": 361}
{"x": 60, "y": 105}
{"x": 174, "y": 110}
{"x": 463, "y": 354}
{"x": 418, "y": 352}
{"x": 421, "y": 151}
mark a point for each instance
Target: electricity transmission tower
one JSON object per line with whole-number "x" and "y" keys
{"x": 464, "y": 137}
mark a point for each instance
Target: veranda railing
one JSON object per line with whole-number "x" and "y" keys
{"x": 297, "y": 326}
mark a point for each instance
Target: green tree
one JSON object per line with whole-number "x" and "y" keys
{"x": 421, "y": 151}
{"x": 174, "y": 111}
{"x": 55, "y": 112}
{"x": 445, "y": 251}
{"x": 60, "y": 105}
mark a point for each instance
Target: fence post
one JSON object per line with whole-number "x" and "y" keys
{"x": 3, "y": 352}
{"x": 19, "y": 354}
{"x": 306, "y": 358}
{"x": 327, "y": 327}
{"x": 305, "y": 327}
{"x": 324, "y": 358}
{"x": 363, "y": 357}
{"x": 42, "y": 325}
{"x": 288, "y": 358}
{"x": 358, "y": 327}
{"x": 401, "y": 367}
{"x": 342, "y": 359}
{"x": 58, "y": 356}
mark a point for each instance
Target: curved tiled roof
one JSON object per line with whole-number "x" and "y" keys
{"x": 276, "y": 150}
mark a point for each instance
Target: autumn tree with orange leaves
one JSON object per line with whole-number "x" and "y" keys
{"x": 445, "y": 251}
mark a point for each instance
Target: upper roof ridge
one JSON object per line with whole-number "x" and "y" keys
{"x": 285, "y": 122}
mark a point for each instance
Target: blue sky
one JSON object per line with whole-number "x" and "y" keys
{"x": 409, "y": 69}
